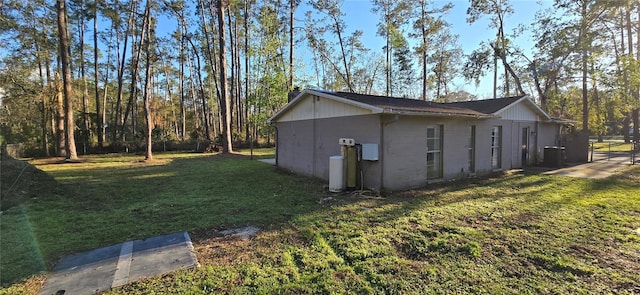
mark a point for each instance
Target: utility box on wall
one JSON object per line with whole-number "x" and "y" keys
{"x": 370, "y": 152}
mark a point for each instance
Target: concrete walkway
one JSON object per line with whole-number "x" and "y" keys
{"x": 602, "y": 166}
{"x": 113, "y": 266}
{"x": 268, "y": 161}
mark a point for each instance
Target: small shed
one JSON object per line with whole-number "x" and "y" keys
{"x": 418, "y": 142}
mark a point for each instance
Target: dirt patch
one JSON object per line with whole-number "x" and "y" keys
{"x": 631, "y": 174}
{"x": 22, "y": 181}
{"x": 610, "y": 259}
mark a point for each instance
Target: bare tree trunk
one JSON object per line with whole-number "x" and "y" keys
{"x": 292, "y": 10}
{"x": 44, "y": 107}
{"x": 183, "y": 118}
{"x": 238, "y": 88}
{"x": 63, "y": 36}
{"x": 85, "y": 88}
{"x": 119, "y": 116}
{"x": 99, "y": 116}
{"x": 43, "y": 103}
{"x": 60, "y": 134}
{"x": 246, "y": 69}
{"x": 343, "y": 52}
{"x": 634, "y": 89}
{"x": 509, "y": 70}
{"x": 133, "y": 90}
{"x": 146, "y": 97}
{"x": 232, "y": 79}
{"x": 423, "y": 28}
{"x": 387, "y": 66}
{"x": 585, "y": 101}
{"x": 201, "y": 94}
{"x": 495, "y": 76}
{"x": 636, "y": 115}
{"x": 192, "y": 84}
{"x": 224, "y": 107}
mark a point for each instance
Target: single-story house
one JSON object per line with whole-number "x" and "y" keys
{"x": 418, "y": 142}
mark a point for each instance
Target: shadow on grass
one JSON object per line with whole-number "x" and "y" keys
{"x": 21, "y": 182}
{"x": 102, "y": 203}
{"x": 109, "y": 204}
{"x": 523, "y": 223}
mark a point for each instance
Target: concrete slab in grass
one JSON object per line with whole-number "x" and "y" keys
{"x": 601, "y": 167}
{"x": 268, "y": 161}
{"x": 113, "y": 266}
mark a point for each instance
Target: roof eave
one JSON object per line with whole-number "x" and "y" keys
{"x": 566, "y": 122}
{"x": 437, "y": 114}
{"x": 372, "y": 108}
{"x": 293, "y": 102}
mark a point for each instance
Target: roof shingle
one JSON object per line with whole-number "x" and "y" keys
{"x": 487, "y": 106}
{"x": 396, "y": 104}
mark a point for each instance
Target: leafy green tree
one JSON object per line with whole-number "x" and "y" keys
{"x": 393, "y": 15}
{"x": 404, "y": 75}
{"x": 585, "y": 14}
{"x": 430, "y": 29}
{"x": 445, "y": 57}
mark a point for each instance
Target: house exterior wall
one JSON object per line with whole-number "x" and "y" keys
{"x": 305, "y": 146}
{"x": 294, "y": 146}
{"x": 307, "y": 135}
{"x": 483, "y": 145}
{"x": 404, "y": 150}
{"x": 404, "y": 147}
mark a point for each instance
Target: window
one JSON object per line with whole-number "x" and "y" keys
{"x": 471, "y": 150}
{"x": 496, "y": 151}
{"x": 525, "y": 147}
{"x": 434, "y": 152}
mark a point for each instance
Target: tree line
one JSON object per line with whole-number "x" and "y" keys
{"x": 112, "y": 73}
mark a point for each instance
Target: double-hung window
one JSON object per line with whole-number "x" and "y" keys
{"x": 496, "y": 147}
{"x": 434, "y": 152}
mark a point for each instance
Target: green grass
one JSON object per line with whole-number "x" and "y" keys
{"x": 114, "y": 198}
{"x": 513, "y": 234}
{"x": 612, "y": 146}
{"x": 259, "y": 153}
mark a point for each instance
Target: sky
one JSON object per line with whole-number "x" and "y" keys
{"x": 358, "y": 16}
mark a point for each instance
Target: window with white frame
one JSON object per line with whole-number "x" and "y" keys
{"x": 496, "y": 147}
{"x": 471, "y": 149}
{"x": 434, "y": 152}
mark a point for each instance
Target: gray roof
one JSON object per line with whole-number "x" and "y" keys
{"x": 487, "y": 106}
{"x": 396, "y": 104}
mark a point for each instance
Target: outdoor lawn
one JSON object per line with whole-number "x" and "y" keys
{"x": 612, "y": 146}
{"x": 511, "y": 233}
